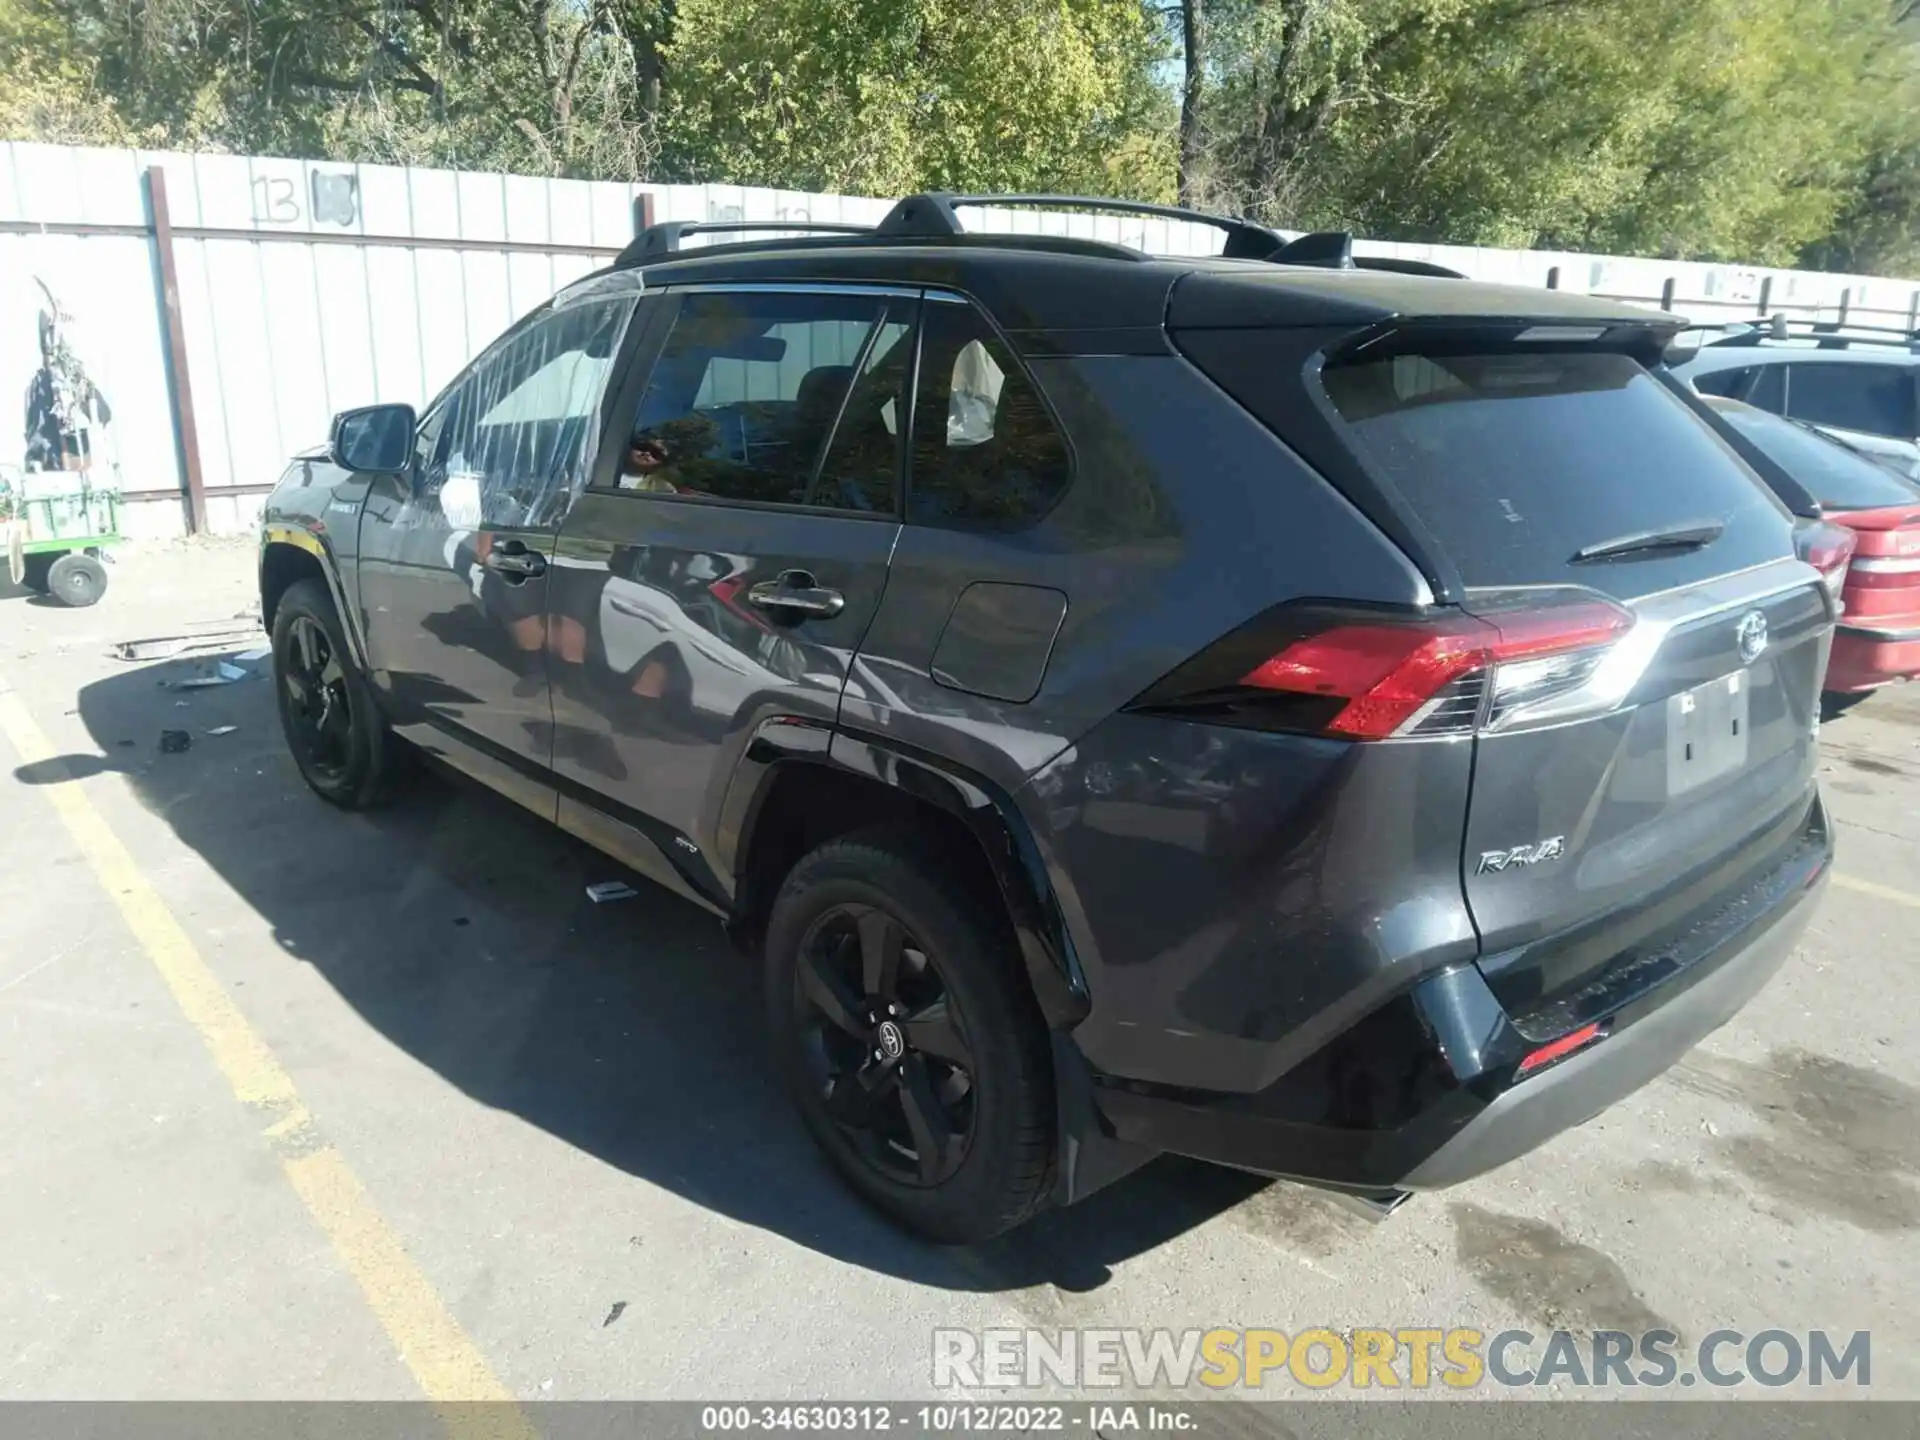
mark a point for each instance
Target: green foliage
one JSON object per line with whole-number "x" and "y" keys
{"x": 1752, "y": 130}
{"x": 1736, "y": 129}
{"x": 879, "y": 96}
{"x": 887, "y": 96}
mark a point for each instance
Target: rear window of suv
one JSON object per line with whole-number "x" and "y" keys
{"x": 1516, "y": 460}
{"x": 1837, "y": 477}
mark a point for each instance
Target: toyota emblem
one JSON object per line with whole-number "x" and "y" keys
{"x": 892, "y": 1043}
{"x": 1751, "y": 632}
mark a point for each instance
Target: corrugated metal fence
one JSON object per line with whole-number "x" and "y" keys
{"x": 226, "y": 306}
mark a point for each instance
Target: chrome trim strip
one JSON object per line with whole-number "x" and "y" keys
{"x": 1655, "y": 618}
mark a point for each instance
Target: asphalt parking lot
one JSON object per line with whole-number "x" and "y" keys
{"x": 306, "y": 1105}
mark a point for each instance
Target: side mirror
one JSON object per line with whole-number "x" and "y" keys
{"x": 373, "y": 440}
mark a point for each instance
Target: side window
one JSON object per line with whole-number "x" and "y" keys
{"x": 985, "y": 451}
{"x": 1729, "y": 384}
{"x": 1876, "y": 399}
{"x": 862, "y": 466}
{"x": 1768, "y": 389}
{"x": 749, "y": 386}
{"x": 509, "y": 442}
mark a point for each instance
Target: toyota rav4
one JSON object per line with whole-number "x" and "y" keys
{"x": 1345, "y": 724}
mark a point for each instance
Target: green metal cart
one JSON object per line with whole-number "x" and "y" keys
{"x": 59, "y": 527}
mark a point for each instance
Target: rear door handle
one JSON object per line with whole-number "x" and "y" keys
{"x": 796, "y": 593}
{"x": 515, "y": 561}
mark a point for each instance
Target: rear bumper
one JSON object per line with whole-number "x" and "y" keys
{"x": 1574, "y": 1090}
{"x": 1425, "y": 1094}
{"x": 1867, "y": 656}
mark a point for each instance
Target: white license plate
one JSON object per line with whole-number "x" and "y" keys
{"x": 1707, "y": 732}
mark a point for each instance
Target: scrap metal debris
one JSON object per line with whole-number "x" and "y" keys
{"x": 223, "y": 730}
{"x": 175, "y": 742}
{"x": 223, "y": 673}
{"x": 608, "y": 890}
{"x": 167, "y": 647}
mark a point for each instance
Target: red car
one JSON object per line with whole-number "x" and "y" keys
{"x": 1878, "y": 638}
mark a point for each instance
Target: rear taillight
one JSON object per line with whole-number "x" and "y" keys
{"x": 1365, "y": 675}
{"x": 1885, "y": 571}
{"x": 1827, "y": 548}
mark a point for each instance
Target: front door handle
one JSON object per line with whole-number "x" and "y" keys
{"x": 512, "y": 559}
{"x": 795, "y": 593}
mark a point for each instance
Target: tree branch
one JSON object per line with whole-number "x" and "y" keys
{"x": 311, "y": 80}
{"x": 417, "y": 77}
{"x": 1193, "y": 32}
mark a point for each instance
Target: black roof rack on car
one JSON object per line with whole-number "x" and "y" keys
{"x": 1825, "y": 334}
{"x": 656, "y": 242}
{"x": 930, "y": 216}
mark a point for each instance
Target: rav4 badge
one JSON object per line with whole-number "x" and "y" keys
{"x": 1498, "y": 860}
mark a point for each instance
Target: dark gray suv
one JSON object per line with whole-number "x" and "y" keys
{"x": 1343, "y": 724}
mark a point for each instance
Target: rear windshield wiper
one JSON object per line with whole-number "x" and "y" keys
{"x": 1680, "y": 537}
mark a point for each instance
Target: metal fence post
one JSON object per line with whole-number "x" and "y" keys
{"x": 642, "y": 211}
{"x": 1666, "y": 294}
{"x": 1846, "y": 303}
{"x": 179, "y": 383}
{"x": 1766, "y": 295}
{"x": 1553, "y": 278}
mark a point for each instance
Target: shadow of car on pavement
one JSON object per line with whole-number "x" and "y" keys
{"x": 456, "y": 924}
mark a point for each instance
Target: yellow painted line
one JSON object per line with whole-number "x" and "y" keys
{"x": 1879, "y": 892}
{"x": 443, "y": 1358}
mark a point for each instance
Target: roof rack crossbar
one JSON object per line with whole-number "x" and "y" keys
{"x": 931, "y": 215}
{"x": 664, "y": 239}
{"x": 1826, "y": 334}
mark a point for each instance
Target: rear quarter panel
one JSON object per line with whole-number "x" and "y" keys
{"x": 1185, "y": 518}
{"x": 1233, "y": 898}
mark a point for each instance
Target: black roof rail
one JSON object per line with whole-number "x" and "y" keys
{"x": 1825, "y": 334}
{"x": 930, "y": 216}
{"x": 656, "y": 242}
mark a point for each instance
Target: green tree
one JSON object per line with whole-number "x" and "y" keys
{"x": 1689, "y": 128}
{"x": 886, "y": 96}
{"x": 1752, "y": 130}
{"x": 547, "y": 86}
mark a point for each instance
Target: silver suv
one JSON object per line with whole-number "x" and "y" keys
{"x": 1857, "y": 383}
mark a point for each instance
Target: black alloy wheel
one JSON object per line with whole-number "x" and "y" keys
{"x": 319, "y": 708}
{"x": 884, "y": 1045}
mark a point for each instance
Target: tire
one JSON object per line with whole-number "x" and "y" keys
{"x": 984, "y": 1164}
{"x": 37, "y": 566}
{"x": 77, "y": 580}
{"x": 332, "y": 721}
